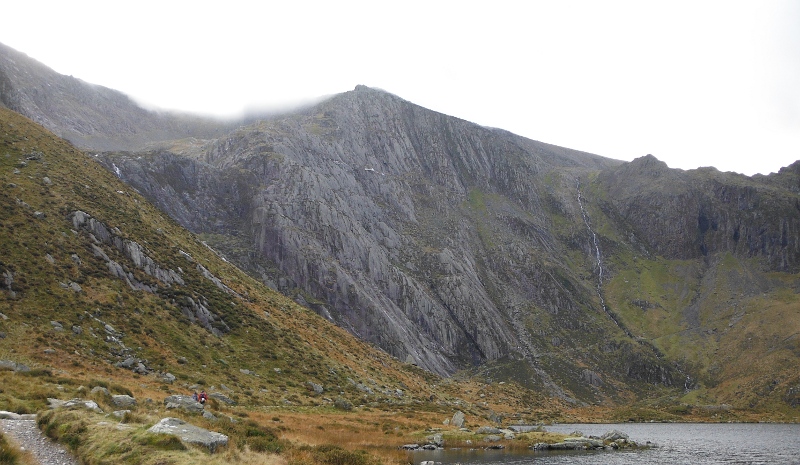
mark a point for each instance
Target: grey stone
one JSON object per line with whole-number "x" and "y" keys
{"x": 317, "y": 388}
{"x": 614, "y": 435}
{"x": 57, "y": 326}
{"x": 190, "y": 433}
{"x": 119, "y": 413}
{"x": 488, "y": 430}
{"x": 127, "y": 363}
{"x": 183, "y": 402}
{"x": 458, "y": 419}
{"x": 13, "y": 366}
{"x": 222, "y": 398}
{"x": 123, "y": 400}
{"x": 100, "y": 390}
{"x": 81, "y": 403}
{"x": 9, "y": 415}
{"x": 435, "y": 439}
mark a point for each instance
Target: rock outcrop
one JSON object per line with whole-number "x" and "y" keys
{"x": 190, "y": 433}
{"x": 183, "y": 402}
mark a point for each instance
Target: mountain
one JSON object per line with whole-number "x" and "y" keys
{"x": 459, "y": 247}
{"x": 88, "y": 115}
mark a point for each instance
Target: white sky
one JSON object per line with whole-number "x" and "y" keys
{"x": 695, "y": 83}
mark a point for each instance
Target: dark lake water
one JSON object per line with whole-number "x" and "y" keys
{"x": 695, "y": 444}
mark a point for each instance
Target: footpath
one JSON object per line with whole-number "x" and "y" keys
{"x": 29, "y": 438}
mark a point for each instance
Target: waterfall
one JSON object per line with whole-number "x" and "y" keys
{"x": 599, "y": 258}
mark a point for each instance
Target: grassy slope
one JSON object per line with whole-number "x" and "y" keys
{"x": 280, "y": 345}
{"x": 734, "y": 327}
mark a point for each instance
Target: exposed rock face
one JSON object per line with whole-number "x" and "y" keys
{"x": 705, "y": 212}
{"x": 417, "y": 231}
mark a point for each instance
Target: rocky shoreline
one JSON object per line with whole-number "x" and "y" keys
{"x": 492, "y": 438}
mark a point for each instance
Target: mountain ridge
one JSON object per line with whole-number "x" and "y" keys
{"x": 456, "y": 246}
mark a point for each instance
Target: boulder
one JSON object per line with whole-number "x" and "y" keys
{"x": 13, "y": 366}
{"x": 458, "y": 419}
{"x": 317, "y": 388}
{"x": 222, "y": 398}
{"x": 183, "y": 402}
{"x": 123, "y": 400}
{"x": 127, "y": 363}
{"x": 436, "y": 440}
{"x": 614, "y": 435}
{"x": 190, "y": 433}
{"x": 9, "y": 415}
{"x": 79, "y": 403}
{"x": 100, "y": 390}
{"x": 488, "y": 430}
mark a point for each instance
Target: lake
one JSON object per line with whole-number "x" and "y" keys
{"x": 676, "y": 443}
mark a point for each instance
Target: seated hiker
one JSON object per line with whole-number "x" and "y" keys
{"x": 195, "y": 397}
{"x": 203, "y": 397}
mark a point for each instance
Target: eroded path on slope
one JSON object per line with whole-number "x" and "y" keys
{"x": 30, "y": 439}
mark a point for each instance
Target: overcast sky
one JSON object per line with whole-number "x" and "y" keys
{"x": 695, "y": 83}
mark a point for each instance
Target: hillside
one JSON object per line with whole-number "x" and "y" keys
{"x": 102, "y": 289}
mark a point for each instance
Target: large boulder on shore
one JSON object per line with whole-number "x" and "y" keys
{"x": 189, "y": 433}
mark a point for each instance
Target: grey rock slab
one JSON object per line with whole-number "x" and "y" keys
{"x": 123, "y": 400}
{"x": 183, "y": 402}
{"x": 189, "y": 433}
{"x": 222, "y": 398}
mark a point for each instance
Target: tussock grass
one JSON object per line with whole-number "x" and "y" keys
{"x": 9, "y": 455}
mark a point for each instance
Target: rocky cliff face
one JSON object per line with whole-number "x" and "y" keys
{"x": 701, "y": 213}
{"x": 438, "y": 240}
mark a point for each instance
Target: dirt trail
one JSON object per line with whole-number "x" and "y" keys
{"x": 25, "y": 434}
